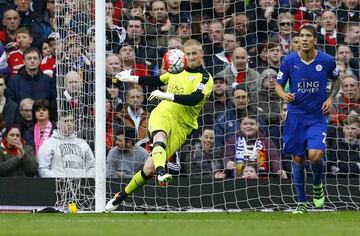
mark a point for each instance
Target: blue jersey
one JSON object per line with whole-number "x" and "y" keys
{"x": 308, "y": 81}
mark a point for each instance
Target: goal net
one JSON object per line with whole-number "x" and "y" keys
{"x": 244, "y": 43}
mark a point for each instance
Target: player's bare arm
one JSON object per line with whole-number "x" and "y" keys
{"x": 329, "y": 101}
{"x": 287, "y": 97}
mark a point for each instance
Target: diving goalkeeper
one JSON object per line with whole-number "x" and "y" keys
{"x": 173, "y": 119}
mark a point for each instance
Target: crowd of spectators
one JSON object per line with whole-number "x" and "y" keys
{"x": 47, "y": 90}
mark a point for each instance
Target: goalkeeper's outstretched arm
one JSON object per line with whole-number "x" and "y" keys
{"x": 187, "y": 100}
{"x": 125, "y": 76}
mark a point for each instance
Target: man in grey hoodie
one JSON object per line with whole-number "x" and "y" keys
{"x": 64, "y": 155}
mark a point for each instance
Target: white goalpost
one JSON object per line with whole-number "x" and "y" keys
{"x": 100, "y": 120}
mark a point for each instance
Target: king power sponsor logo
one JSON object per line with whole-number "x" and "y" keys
{"x": 308, "y": 86}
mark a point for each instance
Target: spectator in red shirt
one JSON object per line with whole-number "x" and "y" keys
{"x": 309, "y": 13}
{"x": 347, "y": 101}
{"x": 48, "y": 63}
{"x": 15, "y": 58}
{"x": 130, "y": 62}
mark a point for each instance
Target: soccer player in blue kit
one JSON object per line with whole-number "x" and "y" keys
{"x": 305, "y": 130}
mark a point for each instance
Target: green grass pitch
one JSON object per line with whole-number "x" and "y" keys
{"x": 184, "y": 224}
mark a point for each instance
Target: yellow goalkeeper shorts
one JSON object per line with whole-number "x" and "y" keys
{"x": 176, "y": 133}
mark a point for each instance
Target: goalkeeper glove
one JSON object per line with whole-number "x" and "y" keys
{"x": 161, "y": 95}
{"x": 125, "y": 76}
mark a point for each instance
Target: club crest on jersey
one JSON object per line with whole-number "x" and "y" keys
{"x": 318, "y": 67}
{"x": 201, "y": 86}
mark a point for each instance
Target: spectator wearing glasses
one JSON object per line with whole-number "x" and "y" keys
{"x": 285, "y": 28}
{"x": 8, "y": 109}
{"x": 268, "y": 101}
{"x": 220, "y": 60}
{"x": 30, "y": 82}
{"x": 25, "y": 119}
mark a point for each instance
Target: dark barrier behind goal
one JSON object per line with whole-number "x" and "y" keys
{"x": 188, "y": 194}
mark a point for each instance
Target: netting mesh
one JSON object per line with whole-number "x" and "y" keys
{"x": 244, "y": 43}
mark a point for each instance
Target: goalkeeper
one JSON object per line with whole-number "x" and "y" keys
{"x": 173, "y": 119}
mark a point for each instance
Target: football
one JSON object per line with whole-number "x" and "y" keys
{"x": 174, "y": 61}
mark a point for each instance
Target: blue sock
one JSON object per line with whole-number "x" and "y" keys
{"x": 317, "y": 172}
{"x": 299, "y": 180}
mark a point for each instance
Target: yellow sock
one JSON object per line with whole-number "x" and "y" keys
{"x": 137, "y": 181}
{"x": 159, "y": 156}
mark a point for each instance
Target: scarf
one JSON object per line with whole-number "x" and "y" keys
{"x": 70, "y": 99}
{"x": 241, "y": 77}
{"x": 38, "y": 139}
{"x": 257, "y": 154}
{"x": 330, "y": 38}
{"x": 12, "y": 151}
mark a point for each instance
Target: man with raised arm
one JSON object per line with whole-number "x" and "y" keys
{"x": 173, "y": 119}
{"x": 305, "y": 130}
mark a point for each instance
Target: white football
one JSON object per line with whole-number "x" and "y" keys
{"x": 174, "y": 61}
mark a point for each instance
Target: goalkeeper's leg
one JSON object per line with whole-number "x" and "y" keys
{"x": 158, "y": 154}
{"x": 139, "y": 179}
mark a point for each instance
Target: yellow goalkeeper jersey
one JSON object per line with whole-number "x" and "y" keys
{"x": 185, "y": 83}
